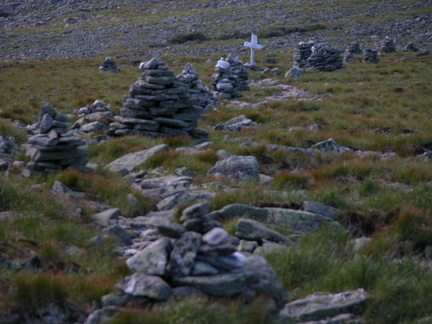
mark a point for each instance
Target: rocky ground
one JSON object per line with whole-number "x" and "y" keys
{"x": 69, "y": 29}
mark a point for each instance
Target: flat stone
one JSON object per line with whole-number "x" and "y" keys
{"x": 132, "y": 160}
{"x": 197, "y": 210}
{"x": 153, "y": 259}
{"x": 107, "y": 215}
{"x": 226, "y": 284}
{"x": 229, "y": 262}
{"x": 215, "y": 236}
{"x": 142, "y": 285}
{"x": 171, "y": 230}
{"x": 252, "y": 230}
{"x": 320, "y": 306}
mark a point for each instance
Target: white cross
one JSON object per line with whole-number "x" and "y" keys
{"x": 253, "y": 44}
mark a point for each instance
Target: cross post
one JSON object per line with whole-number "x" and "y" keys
{"x": 253, "y": 44}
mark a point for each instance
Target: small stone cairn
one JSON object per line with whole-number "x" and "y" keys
{"x": 353, "y": 48}
{"x": 225, "y": 84}
{"x": 93, "y": 117}
{"x": 53, "y": 148}
{"x": 157, "y": 105}
{"x": 302, "y": 52}
{"x": 109, "y": 66}
{"x": 240, "y": 71}
{"x": 410, "y": 47}
{"x": 325, "y": 58}
{"x": 371, "y": 55}
{"x": 199, "y": 92}
{"x": 198, "y": 258}
{"x": 388, "y": 45}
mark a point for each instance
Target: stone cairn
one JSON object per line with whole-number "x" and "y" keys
{"x": 325, "y": 58}
{"x": 410, "y": 47}
{"x": 371, "y": 55}
{"x": 198, "y": 91}
{"x": 157, "y": 105}
{"x": 302, "y": 52}
{"x": 197, "y": 258}
{"x": 240, "y": 71}
{"x": 109, "y": 66}
{"x": 353, "y": 48}
{"x": 92, "y": 118}
{"x": 388, "y": 45}
{"x": 53, "y": 148}
{"x": 225, "y": 84}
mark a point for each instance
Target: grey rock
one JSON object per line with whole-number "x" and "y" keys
{"x": 101, "y": 316}
{"x": 252, "y": 230}
{"x": 247, "y": 246}
{"x": 229, "y": 262}
{"x": 269, "y": 283}
{"x": 197, "y": 210}
{"x": 319, "y": 208}
{"x": 330, "y": 146}
{"x": 135, "y": 207}
{"x": 153, "y": 259}
{"x": 142, "y": 285}
{"x": 237, "y": 168}
{"x": 134, "y": 159}
{"x": 294, "y": 73}
{"x": 120, "y": 233}
{"x": 225, "y": 284}
{"x": 171, "y": 230}
{"x": 107, "y": 215}
{"x": 319, "y": 306}
{"x": 215, "y": 236}
{"x": 203, "y": 269}
{"x": 201, "y": 225}
{"x": 183, "y": 254}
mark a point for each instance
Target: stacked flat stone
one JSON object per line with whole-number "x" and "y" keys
{"x": 325, "y": 58}
{"x": 109, "y": 66}
{"x": 198, "y": 91}
{"x": 53, "y": 148}
{"x": 388, "y": 45}
{"x": 302, "y": 53}
{"x": 197, "y": 257}
{"x": 411, "y": 47}
{"x": 92, "y": 118}
{"x": 371, "y": 55}
{"x": 157, "y": 105}
{"x": 240, "y": 71}
{"x": 224, "y": 82}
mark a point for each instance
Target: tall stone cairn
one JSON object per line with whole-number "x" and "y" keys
{"x": 240, "y": 71}
{"x": 388, "y": 45}
{"x": 371, "y": 55}
{"x": 52, "y": 147}
{"x": 158, "y": 105}
{"x": 225, "y": 84}
{"x": 199, "y": 92}
{"x": 109, "y": 66}
{"x": 302, "y": 53}
{"x": 325, "y": 58}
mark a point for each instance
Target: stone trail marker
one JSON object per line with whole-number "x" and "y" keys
{"x": 253, "y": 44}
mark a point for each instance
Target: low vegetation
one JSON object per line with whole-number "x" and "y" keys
{"x": 384, "y": 108}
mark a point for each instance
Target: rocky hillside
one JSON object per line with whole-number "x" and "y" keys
{"x": 40, "y": 30}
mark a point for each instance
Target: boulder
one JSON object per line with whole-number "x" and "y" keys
{"x": 237, "y": 168}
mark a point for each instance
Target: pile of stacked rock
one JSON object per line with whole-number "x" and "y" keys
{"x": 302, "y": 53}
{"x": 325, "y": 58}
{"x": 109, "y": 66}
{"x": 240, "y": 71}
{"x": 194, "y": 259}
{"x": 371, "y": 55}
{"x": 388, "y": 45}
{"x": 157, "y": 105}
{"x": 93, "y": 117}
{"x": 198, "y": 91}
{"x": 411, "y": 47}
{"x": 353, "y": 48}
{"x": 53, "y": 148}
{"x": 225, "y": 84}
{"x": 7, "y": 150}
